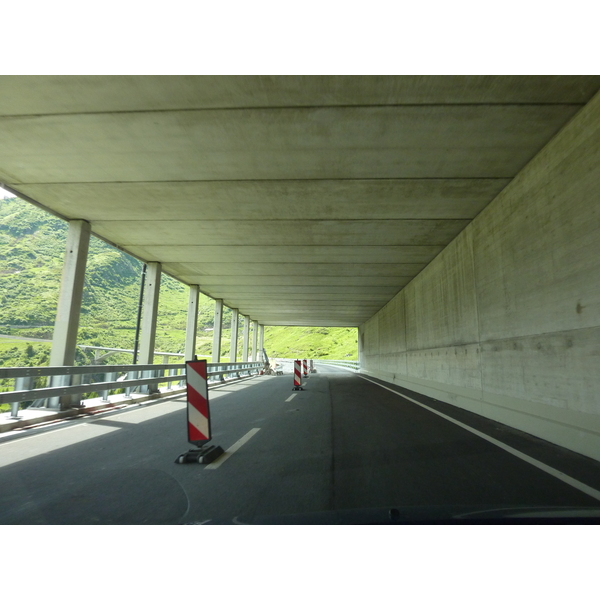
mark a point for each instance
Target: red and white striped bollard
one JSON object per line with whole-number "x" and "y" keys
{"x": 297, "y": 376}
{"x": 198, "y": 415}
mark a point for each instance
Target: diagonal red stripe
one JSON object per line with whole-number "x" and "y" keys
{"x": 194, "y": 434}
{"x": 197, "y": 401}
{"x": 199, "y": 367}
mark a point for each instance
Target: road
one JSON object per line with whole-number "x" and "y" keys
{"x": 17, "y": 338}
{"x": 342, "y": 444}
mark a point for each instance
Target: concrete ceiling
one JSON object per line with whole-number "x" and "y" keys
{"x": 298, "y": 200}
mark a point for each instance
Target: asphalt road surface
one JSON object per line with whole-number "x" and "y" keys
{"x": 343, "y": 445}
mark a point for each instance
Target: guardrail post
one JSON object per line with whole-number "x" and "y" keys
{"x": 21, "y": 384}
{"x": 166, "y": 362}
{"x": 76, "y": 398}
{"x": 107, "y": 378}
{"x": 144, "y": 389}
{"x": 58, "y": 381}
{"x": 129, "y": 390}
{"x": 152, "y": 387}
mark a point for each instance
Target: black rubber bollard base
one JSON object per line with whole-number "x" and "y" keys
{"x": 203, "y": 456}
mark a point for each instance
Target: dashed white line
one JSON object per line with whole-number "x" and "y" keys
{"x": 217, "y": 463}
{"x": 291, "y": 398}
{"x": 582, "y": 487}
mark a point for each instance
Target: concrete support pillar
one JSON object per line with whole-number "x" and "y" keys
{"x": 148, "y": 333}
{"x": 64, "y": 339}
{"x": 361, "y": 341}
{"x": 254, "y": 339}
{"x": 246, "y": 339}
{"x": 234, "y": 335}
{"x": 192, "y": 323}
{"x": 261, "y": 340}
{"x": 216, "y": 346}
{"x": 66, "y": 325}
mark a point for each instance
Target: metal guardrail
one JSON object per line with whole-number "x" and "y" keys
{"x": 56, "y": 382}
{"x": 352, "y": 365}
{"x": 126, "y": 351}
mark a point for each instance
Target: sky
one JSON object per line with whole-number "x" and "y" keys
{"x": 5, "y": 194}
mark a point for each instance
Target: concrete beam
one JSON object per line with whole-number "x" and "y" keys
{"x": 150, "y": 310}
{"x": 281, "y": 298}
{"x": 361, "y": 142}
{"x": 289, "y": 255}
{"x": 60, "y": 94}
{"x": 314, "y": 323}
{"x": 218, "y": 200}
{"x": 272, "y": 269}
{"x": 192, "y": 323}
{"x": 332, "y": 280}
{"x": 234, "y": 335}
{"x": 292, "y": 290}
{"x": 340, "y": 232}
{"x": 218, "y": 327}
{"x": 66, "y": 324}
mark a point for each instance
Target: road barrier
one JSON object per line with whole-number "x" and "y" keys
{"x": 197, "y": 402}
{"x": 305, "y": 368}
{"x": 198, "y": 415}
{"x": 351, "y": 365}
{"x": 297, "y": 376}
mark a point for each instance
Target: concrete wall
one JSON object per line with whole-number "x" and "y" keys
{"x": 505, "y": 322}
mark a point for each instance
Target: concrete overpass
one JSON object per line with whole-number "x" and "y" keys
{"x": 454, "y": 220}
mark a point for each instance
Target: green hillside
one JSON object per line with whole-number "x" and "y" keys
{"x": 32, "y": 245}
{"x": 334, "y": 343}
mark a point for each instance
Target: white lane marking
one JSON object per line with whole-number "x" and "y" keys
{"x": 582, "y": 487}
{"x": 291, "y": 398}
{"x": 217, "y": 463}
